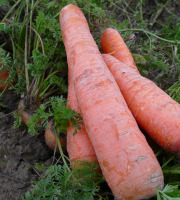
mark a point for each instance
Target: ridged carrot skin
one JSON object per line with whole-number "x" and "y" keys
{"x": 127, "y": 162}
{"x": 112, "y": 43}
{"x": 79, "y": 146}
{"x": 156, "y": 112}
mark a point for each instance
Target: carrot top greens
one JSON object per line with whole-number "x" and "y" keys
{"x": 56, "y": 107}
{"x": 58, "y": 183}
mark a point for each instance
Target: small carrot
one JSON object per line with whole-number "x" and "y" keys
{"x": 127, "y": 162}
{"x": 3, "y": 77}
{"x": 112, "y": 43}
{"x": 156, "y": 112}
{"x": 23, "y": 113}
{"x": 50, "y": 138}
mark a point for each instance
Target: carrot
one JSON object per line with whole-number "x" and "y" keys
{"x": 50, "y": 138}
{"x": 156, "y": 112}
{"x": 3, "y": 77}
{"x": 127, "y": 162}
{"x": 23, "y": 113}
{"x": 79, "y": 146}
{"x": 112, "y": 43}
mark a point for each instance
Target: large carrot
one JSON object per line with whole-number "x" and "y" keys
{"x": 112, "y": 43}
{"x": 127, "y": 162}
{"x": 79, "y": 146}
{"x": 156, "y": 112}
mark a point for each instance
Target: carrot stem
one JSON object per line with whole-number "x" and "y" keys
{"x": 49, "y": 93}
{"x": 60, "y": 150}
{"x": 25, "y": 51}
{"x": 10, "y": 11}
{"x": 168, "y": 161}
{"x": 42, "y": 93}
{"x": 42, "y": 44}
{"x": 13, "y": 46}
{"x": 167, "y": 171}
{"x": 152, "y": 34}
{"x": 60, "y": 70}
{"x": 158, "y": 153}
{"x": 30, "y": 31}
{"x": 36, "y": 86}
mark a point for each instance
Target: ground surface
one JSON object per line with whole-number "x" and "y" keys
{"x": 19, "y": 151}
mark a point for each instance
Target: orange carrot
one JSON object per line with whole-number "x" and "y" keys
{"x": 156, "y": 112}
{"x": 23, "y": 113}
{"x": 3, "y": 77}
{"x": 112, "y": 43}
{"x": 79, "y": 146}
{"x": 50, "y": 138}
{"x": 127, "y": 162}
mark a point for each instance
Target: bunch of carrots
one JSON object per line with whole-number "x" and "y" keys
{"x": 113, "y": 99}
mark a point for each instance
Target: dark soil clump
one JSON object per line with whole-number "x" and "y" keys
{"x": 19, "y": 151}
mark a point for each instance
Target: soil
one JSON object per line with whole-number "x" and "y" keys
{"x": 19, "y": 152}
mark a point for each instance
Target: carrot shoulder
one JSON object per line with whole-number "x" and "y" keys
{"x": 112, "y": 43}
{"x": 127, "y": 162}
{"x": 156, "y": 112}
